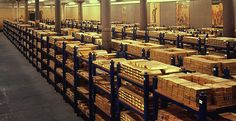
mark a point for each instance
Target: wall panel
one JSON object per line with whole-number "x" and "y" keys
{"x": 168, "y": 14}
{"x": 200, "y": 13}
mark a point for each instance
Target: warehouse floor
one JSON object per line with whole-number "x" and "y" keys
{"x": 24, "y": 94}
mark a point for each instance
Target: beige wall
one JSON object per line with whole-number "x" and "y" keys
{"x": 200, "y": 13}
{"x": 9, "y": 13}
{"x": 168, "y": 14}
{"x": 71, "y": 12}
{"x": 91, "y": 13}
{"x": 48, "y": 12}
{"x": 235, "y": 15}
{"x": 130, "y": 13}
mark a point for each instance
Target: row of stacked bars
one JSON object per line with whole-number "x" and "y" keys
{"x": 134, "y": 93}
{"x": 186, "y": 58}
{"x": 184, "y": 88}
{"x": 211, "y": 36}
{"x": 201, "y": 39}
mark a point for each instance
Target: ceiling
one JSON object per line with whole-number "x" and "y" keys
{"x": 51, "y": 2}
{"x": 6, "y": 1}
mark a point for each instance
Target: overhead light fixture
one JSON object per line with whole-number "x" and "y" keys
{"x": 162, "y": 1}
{"x": 71, "y": 3}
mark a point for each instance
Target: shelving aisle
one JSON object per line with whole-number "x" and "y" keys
{"x": 24, "y": 93}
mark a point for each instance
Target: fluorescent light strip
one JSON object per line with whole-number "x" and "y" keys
{"x": 129, "y": 2}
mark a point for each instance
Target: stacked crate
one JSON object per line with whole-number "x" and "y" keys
{"x": 165, "y": 55}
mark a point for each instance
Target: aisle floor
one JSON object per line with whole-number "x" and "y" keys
{"x": 24, "y": 94}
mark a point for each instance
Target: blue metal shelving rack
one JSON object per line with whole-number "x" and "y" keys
{"x": 146, "y": 114}
{"x": 22, "y": 38}
{"x": 77, "y": 79}
{"x": 112, "y": 93}
{"x": 202, "y": 111}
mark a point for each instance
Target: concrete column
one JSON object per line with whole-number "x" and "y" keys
{"x": 63, "y": 6}
{"x": 143, "y": 14}
{"x": 37, "y": 13}
{"x": 51, "y": 10}
{"x": 26, "y": 11}
{"x": 100, "y": 10}
{"x": 58, "y": 16}
{"x": 18, "y": 11}
{"x": 106, "y": 24}
{"x": 228, "y": 17}
{"x": 80, "y": 10}
{"x": 13, "y": 11}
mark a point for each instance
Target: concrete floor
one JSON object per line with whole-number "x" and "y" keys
{"x": 24, "y": 94}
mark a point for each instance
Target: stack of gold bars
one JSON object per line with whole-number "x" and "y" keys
{"x": 83, "y": 106}
{"x": 105, "y": 63}
{"x": 54, "y": 39}
{"x": 80, "y": 47}
{"x": 98, "y": 118}
{"x": 172, "y": 35}
{"x": 174, "y": 113}
{"x": 70, "y": 78}
{"x": 165, "y": 55}
{"x": 133, "y": 97}
{"x": 116, "y": 43}
{"x": 136, "y": 48}
{"x": 220, "y": 41}
{"x": 185, "y": 89}
{"x": 130, "y": 116}
{"x": 103, "y": 103}
{"x": 78, "y": 35}
{"x": 69, "y": 31}
{"x": 135, "y": 69}
{"x": 205, "y": 64}
{"x": 70, "y": 94}
{"x": 194, "y": 40}
{"x": 89, "y": 36}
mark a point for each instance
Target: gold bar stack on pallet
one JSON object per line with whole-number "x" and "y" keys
{"x": 220, "y": 41}
{"x": 165, "y": 55}
{"x": 185, "y": 88}
{"x": 116, "y": 43}
{"x": 136, "y": 49}
{"x": 134, "y": 70}
{"x": 68, "y": 31}
{"x": 206, "y": 63}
